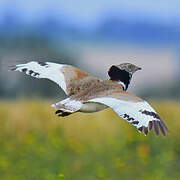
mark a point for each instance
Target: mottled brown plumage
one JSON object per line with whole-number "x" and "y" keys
{"x": 103, "y": 88}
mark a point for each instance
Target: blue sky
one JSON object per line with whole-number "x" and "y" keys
{"x": 81, "y": 11}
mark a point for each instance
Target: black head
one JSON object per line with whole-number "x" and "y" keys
{"x": 122, "y": 73}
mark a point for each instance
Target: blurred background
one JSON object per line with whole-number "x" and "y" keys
{"x": 91, "y": 35}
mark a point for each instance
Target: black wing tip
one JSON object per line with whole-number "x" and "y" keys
{"x": 42, "y": 63}
{"x": 143, "y": 129}
{"x": 158, "y": 125}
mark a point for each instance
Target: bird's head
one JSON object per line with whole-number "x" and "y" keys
{"x": 128, "y": 67}
{"x": 123, "y": 73}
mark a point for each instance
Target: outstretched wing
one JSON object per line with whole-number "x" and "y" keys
{"x": 136, "y": 111}
{"x": 61, "y": 74}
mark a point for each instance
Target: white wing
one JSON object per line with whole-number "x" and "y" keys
{"x": 48, "y": 70}
{"x": 139, "y": 114}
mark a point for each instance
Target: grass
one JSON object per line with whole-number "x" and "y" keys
{"x": 36, "y": 144}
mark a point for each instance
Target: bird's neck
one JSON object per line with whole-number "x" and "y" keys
{"x": 121, "y": 76}
{"x": 123, "y": 85}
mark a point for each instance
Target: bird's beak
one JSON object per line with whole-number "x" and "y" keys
{"x": 138, "y": 68}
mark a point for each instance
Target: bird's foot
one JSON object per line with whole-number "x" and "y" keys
{"x": 62, "y": 113}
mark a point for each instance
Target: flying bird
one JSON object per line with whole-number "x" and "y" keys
{"x": 89, "y": 94}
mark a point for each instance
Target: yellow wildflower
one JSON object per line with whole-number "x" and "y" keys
{"x": 61, "y": 175}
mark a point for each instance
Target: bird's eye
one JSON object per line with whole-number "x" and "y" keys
{"x": 130, "y": 67}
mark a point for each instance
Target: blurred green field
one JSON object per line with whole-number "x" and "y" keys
{"x": 36, "y": 144}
